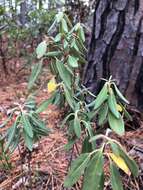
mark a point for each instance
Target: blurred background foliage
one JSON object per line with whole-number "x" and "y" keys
{"x": 24, "y": 23}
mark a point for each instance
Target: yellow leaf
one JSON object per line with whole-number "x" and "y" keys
{"x": 120, "y": 163}
{"x": 119, "y": 108}
{"x": 52, "y": 85}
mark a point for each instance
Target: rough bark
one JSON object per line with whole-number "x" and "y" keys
{"x": 116, "y": 47}
{"x": 23, "y": 16}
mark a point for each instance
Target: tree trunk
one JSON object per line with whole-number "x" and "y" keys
{"x": 116, "y": 47}
{"x": 23, "y": 14}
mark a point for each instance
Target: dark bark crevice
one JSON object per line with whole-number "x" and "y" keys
{"x": 135, "y": 52}
{"x": 137, "y": 5}
{"x": 111, "y": 48}
{"x": 104, "y": 20}
{"x": 137, "y": 38}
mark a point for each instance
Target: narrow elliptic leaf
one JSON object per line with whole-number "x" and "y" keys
{"x": 120, "y": 95}
{"x": 28, "y": 141}
{"x": 101, "y": 97}
{"x": 73, "y": 61}
{"x": 119, "y": 161}
{"x": 69, "y": 98}
{"x": 41, "y": 49}
{"x": 16, "y": 141}
{"x": 53, "y": 54}
{"x": 26, "y": 125}
{"x": 102, "y": 114}
{"x": 34, "y": 74}
{"x": 39, "y": 125}
{"x": 30, "y": 104}
{"x": 64, "y": 25}
{"x": 81, "y": 34}
{"x": 130, "y": 162}
{"x": 113, "y": 105}
{"x": 58, "y": 37}
{"x": 94, "y": 173}
{"x": 86, "y": 145}
{"x": 88, "y": 127}
{"x": 115, "y": 148}
{"x": 66, "y": 119}
{"x": 66, "y": 44}
{"x": 77, "y": 169}
{"x": 43, "y": 106}
{"x": 127, "y": 115}
{"x": 90, "y": 132}
{"x": 101, "y": 187}
{"x": 77, "y": 127}
{"x": 116, "y": 125}
{"x": 116, "y": 181}
{"x": 11, "y": 134}
{"x": 64, "y": 74}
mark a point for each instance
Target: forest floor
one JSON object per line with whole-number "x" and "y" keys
{"x": 49, "y": 162}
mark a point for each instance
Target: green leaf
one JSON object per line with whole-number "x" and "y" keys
{"x": 58, "y": 37}
{"x": 73, "y": 61}
{"x": 77, "y": 169}
{"x": 43, "y": 106}
{"x": 11, "y": 134}
{"x": 94, "y": 173}
{"x": 102, "y": 96}
{"x": 88, "y": 127}
{"x": 66, "y": 119}
{"x": 41, "y": 49}
{"x": 69, "y": 98}
{"x": 53, "y": 54}
{"x": 28, "y": 141}
{"x": 77, "y": 26}
{"x": 39, "y": 126}
{"x": 127, "y": 115}
{"x": 130, "y": 162}
{"x": 113, "y": 105}
{"x": 116, "y": 181}
{"x": 66, "y": 44}
{"x": 16, "y": 141}
{"x": 86, "y": 145}
{"x": 64, "y": 73}
{"x": 77, "y": 127}
{"x": 120, "y": 94}
{"x": 30, "y": 104}
{"x": 115, "y": 148}
{"x": 34, "y": 74}
{"x": 116, "y": 125}
{"x": 90, "y": 131}
{"x": 81, "y": 34}
{"x": 102, "y": 182}
{"x": 74, "y": 45}
{"x": 64, "y": 25}
{"x": 102, "y": 114}
{"x": 26, "y": 125}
